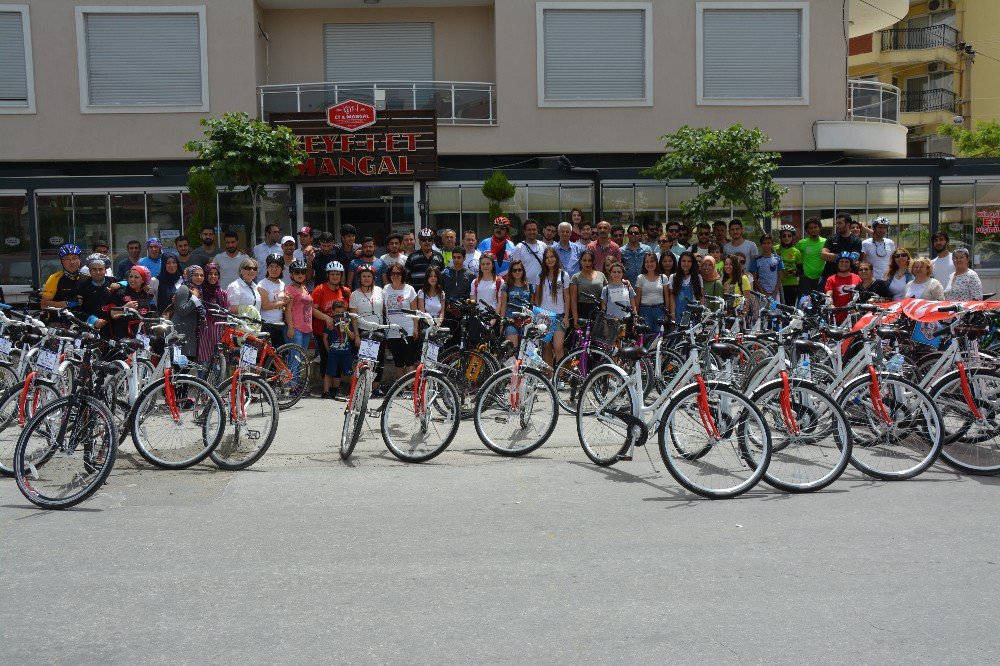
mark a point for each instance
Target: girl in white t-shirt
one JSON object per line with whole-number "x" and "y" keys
{"x": 486, "y": 287}
{"x": 430, "y": 298}
{"x": 616, "y": 291}
{"x": 653, "y": 291}
{"x": 273, "y": 300}
{"x": 399, "y": 296}
{"x": 553, "y": 295}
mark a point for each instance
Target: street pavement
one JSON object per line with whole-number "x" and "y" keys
{"x": 476, "y": 558}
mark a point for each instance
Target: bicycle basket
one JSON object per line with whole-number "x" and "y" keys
{"x": 604, "y": 329}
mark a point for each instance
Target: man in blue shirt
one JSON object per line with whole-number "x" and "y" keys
{"x": 569, "y": 251}
{"x": 367, "y": 257}
{"x": 154, "y": 257}
{"x": 499, "y": 244}
{"x": 633, "y": 252}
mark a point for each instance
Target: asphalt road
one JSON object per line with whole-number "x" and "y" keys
{"x": 476, "y": 558}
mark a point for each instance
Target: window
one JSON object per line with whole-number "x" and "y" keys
{"x": 17, "y": 85}
{"x": 378, "y": 51}
{"x": 142, "y": 59}
{"x": 594, "y": 54}
{"x": 753, "y": 53}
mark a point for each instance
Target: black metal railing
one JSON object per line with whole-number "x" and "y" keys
{"x": 935, "y": 99}
{"x": 901, "y": 39}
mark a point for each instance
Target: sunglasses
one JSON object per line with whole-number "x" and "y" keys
{"x": 900, "y": 256}
{"x": 787, "y": 235}
{"x": 633, "y": 233}
{"x": 864, "y": 270}
{"x": 664, "y": 240}
{"x": 517, "y": 270}
{"x": 249, "y": 268}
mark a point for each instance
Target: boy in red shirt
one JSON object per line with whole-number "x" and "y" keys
{"x": 841, "y": 285}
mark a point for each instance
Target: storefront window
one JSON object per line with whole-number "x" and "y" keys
{"x": 15, "y": 251}
{"x": 274, "y": 210}
{"x": 790, "y": 211}
{"x": 819, "y": 204}
{"x": 314, "y": 211}
{"x": 444, "y": 206}
{"x": 914, "y": 227}
{"x": 235, "y": 214}
{"x": 677, "y": 194}
{"x": 543, "y": 205}
{"x": 571, "y": 197}
{"x": 55, "y": 227}
{"x": 90, "y": 217}
{"x": 650, "y": 204}
{"x": 987, "y": 238}
{"x": 164, "y": 222}
{"x": 128, "y": 222}
{"x": 852, "y": 199}
{"x": 617, "y": 204}
{"x": 475, "y": 212}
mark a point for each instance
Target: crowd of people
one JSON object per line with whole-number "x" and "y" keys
{"x": 301, "y": 289}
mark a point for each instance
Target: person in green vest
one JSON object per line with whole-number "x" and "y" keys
{"x": 811, "y": 248}
{"x": 792, "y": 259}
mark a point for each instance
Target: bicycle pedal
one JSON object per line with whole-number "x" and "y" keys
{"x": 623, "y": 456}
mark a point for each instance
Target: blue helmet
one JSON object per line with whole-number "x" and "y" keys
{"x": 69, "y": 248}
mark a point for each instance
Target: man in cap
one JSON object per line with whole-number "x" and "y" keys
{"x": 426, "y": 256}
{"x": 878, "y": 249}
{"x": 499, "y": 244}
{"x": 153, "y": 261}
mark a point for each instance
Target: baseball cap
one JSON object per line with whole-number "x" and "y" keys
{"x": 287, "y": 239}
{"x": 305, "y": 231}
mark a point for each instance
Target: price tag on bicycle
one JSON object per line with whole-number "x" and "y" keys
{"x": 432, "y": 352}
{"x": 248, "y": 356}
{"x": 48, "y": 360}
{"x": 369, "y": 350}
{"x": 5, "y": 347}
{"x": 144, "y": 339}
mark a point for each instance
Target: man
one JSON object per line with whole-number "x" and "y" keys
{"x": 633, "y": 253}
{"x": 456, "y": 278}
{"x": 840, "y": 286}
{"x": 673, "y": 234}
{"x": 94, "y": 294}
{"x": 409, "y": 243}
{"x": 720, "y": 229}
{"x": 499, "y": 244}
{"x": 576, "y": 219}
{"x": 229, "y": 259}
{"x": 289, "y": 254}
{"x": 448, "y": 241}
{"x": 568, "y": 251}
{"x": 550, "y": 233}
{"x": 704, "y": 234}
{"x": 941, "y": 259}
{"x": 603, "y": 247}
{"x": 133, "y": 248}
{"x": 307, "y": 253}
{"x": 472, "y": 254}
{"x": 393, "y": 253}
{"x": 207, "y": 251}
{"x": 418, "y": 262}
{"x": 268, "y": 246}
{"x": 530, "y": 252}
{"x": 811, "y": 249}
{"x": 878, "y": 249}
{"x": 738, "y": 244}
{"x": 154, "y": 257}
{"x": 100, "y": 247}
{"x": 841, "y": 241}
{"x": 367, "y": 257}
{"x": 768, "y": 269}
{"x": 792, "y": 259}
{"x": 684, "y": 233}
{"x": 326, "y": 255}
{"x": 653, "y": 233}
{"x": 59, "y": 290}
{"x": 586, "y": 234}
{"x": 348, "y": 249}
{"x": 183, "y": 247}
{"x": 618, "y": 234}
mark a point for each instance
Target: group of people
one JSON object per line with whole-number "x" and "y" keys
{"x": 302, "y": 289}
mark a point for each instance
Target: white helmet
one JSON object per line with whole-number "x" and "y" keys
{"x": 335, "y": 266}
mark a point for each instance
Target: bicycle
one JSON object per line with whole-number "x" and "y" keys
{"x": 372, "y": 336}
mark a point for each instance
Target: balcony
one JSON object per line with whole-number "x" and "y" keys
{"x": 935, "y": 99}
{"x": 871, "y": 128}
{"x": 901, "y": 46}
{"x": 456, "y": 102}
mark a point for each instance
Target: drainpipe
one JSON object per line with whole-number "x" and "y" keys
{"x": 29, "y": 199}
{"x": 595, "y": 176}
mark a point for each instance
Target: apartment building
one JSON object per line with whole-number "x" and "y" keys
{"x": 568, "y": 98}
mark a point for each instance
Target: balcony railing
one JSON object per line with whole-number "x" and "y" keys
{"x": 901, "y": 39}
{"x": 935, "y": 99}
{"x": 872, "y": 101}
{"x": 456, "y": 102}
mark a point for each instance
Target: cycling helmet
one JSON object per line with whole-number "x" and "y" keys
{"x": 787, "y": 227}
{"x": 69, "y": 248}
{"x": 298, "y": 265}
{"x": 426, "y": 233}
{"x": 366, "y": 268}
{"x": 501, "y": 221}
{"x": 98, "y": 258}
{"x": 880, "y": 220}
{"x": 852, "y": 256}
{"x": 335, "y": 266}
{"x": 274, "y": 259}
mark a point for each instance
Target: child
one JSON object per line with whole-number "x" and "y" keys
{"x": 768, "y": 269}
{"x": 340, "y": 353}
{"x": 616, "y": 291}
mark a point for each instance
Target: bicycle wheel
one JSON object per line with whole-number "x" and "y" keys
{"x": 357, "y": 409}
{"x": 12, "y": 421}
{"x": 417, "y": 426}
{"x": 516, "y": 415}
{"x": 604, "y": 398}
{"x": 177, "y": 427}
{"x": 468, "y": 371}
{"x": 715, "y": 444}
{"x": 670, "y": 363}
{"x": 297, "y": 385}
{"x": 571, "y": 372}
{"x": 972, "y": 445}
{"x": 65, "y": 452}
{"x": 810, "y": 440}
{"x": 898, "y": 431}
{"x": 8, "y": 377}
{"x": 253, "y": 422}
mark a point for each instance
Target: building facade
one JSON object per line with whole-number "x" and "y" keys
{"x": 569, "y": 99}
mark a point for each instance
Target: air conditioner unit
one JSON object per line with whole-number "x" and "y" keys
{"x": 935, "y": 67}
{"x": 935, "y": 6}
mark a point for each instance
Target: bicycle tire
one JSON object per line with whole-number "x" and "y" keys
{"x": 971, "y": 445}
{"x": 237, "y": 448}
{"x": 39, "y": 465}
{"x": 740, "y": 454}
{"x": 292, "y": 391}
{"x": 468, "y": 370}
{"x": 569, "y": 380}
{"x": 415, "y": 433}
{"x": 811, "y": 451}
{"x": 913, "y": 420}
{"x": 604, "y": 436}
{"x": 496, "y": 409}
{"x": 177, "y": 447}
{"x": 356, "y": 411}
{"x": 41, "y": 393}
{"x": 8, "y": 377}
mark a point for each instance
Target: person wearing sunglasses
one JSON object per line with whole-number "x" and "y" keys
{"x": 878, "y": 249}
{"x": 898, "y": 274}
{"x": 499, "y": 245}
{"x": 701, "y": 246}
{"x": 872, "y": 289}
{"x": 244, "y": 299}
{"x": 633, "y": 253}
{"x": 792, "y": 258}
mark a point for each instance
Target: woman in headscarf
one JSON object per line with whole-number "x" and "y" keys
{"x": 212, "y": 293}
{"x": 188, "y": 311}
{"x": 169, "y": 277}
{"x": 711, "y": 280}
{"x": 136, "y": 295}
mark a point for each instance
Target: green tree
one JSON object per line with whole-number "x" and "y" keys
{"x": 201, "y": 189}
{"x": 729, "y": 166}
{"x": 240, "y": 151}
{"x": 983, "y": 141}
{"x": 497, "y": 189}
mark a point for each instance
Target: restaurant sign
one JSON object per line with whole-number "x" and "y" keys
{"x": 988, "y": 221}
{"x": 385, "y": 145}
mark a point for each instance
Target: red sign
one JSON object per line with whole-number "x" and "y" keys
{"x": 350, "y": 115}
{"x": 989, "y": 221}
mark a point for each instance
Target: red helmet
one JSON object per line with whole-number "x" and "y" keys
{"x": 501, "y": 221}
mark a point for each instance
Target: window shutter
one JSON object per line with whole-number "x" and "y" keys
{"x": 13, "y": 68}
{"x": 752, "y": 53}
{"x": 378, "y": 51}
{"x": 136, "y": 59}
{"x": 595, "y": 54}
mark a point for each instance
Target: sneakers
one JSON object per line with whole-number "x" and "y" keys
{"x": 379, "y": 392}
{"x": 331, "y": 394}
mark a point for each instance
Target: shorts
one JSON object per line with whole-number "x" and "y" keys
{"x": 339, "y": 364}
{"x": 513, "y": 330}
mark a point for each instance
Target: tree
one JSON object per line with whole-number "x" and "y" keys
{"x": 497, "y": 189}
{"x": 729, "y": 166}
{"x": 201, "y": 188}
{"x": 983, "y": 141}
{"x": 239, "y": 150}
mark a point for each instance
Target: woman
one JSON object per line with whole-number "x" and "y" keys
{"x": 711, "y": 281}
{"x": 94, "y": 293}
{"x": 170, "y": 275}
{"x": 272, "y": 298}
{"x": 368, "y": 302}
{"x": 667, "y": 264}
{"x": 617, "y": 293}
{"x": 430, "y": 298}
{"x": 652, "y": 292}
{"x": 871, "y": 289}
{"x": 244, "y": 299}
{"x": 486, "y": 287}
{"x": 212, "y": 293}
{"x": 588, "y": 282}
{"x": 734, "y": 281}
{"x": 923, "y": 285}
{"x": 898, "y": 274}
{"x": 400, "y": 296}
{"x": 964, "y": 284}
{"x": 685, "y": 287}
{"x": 517, "y": 292}
{"x": 188, "y": 311}
{"x": 553, "y": 295}
{"x": 324, "y": 296}
{"x": 135, "y": 295}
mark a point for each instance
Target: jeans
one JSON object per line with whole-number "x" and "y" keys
{"x": 302, "y": 339}
{"x": 652, "y": 316}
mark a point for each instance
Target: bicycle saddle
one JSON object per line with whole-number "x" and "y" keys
{"x": 633, "y": 353}
{"x": 837, "y": 334}
{"x": 724, "y": 350}
{"x": 807, "y": 346}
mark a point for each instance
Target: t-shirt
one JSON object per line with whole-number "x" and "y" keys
{"x": 201, "y": 256}
{"x": 502, "y": 250}
{"x": 878, "y": 254}
{"x": 388, "y": 261}
{"x": 602, "y": 253}
{"x": 838, "y": 244}
{"x": 320, "y": 262}
{"x": 432, "y": 304}
{"x": 812, "y": 260}
{"x": 517, "y": 296}
{"x": 229, "y": 268}
{"x": 612, "y": 294}
{"x": 747, "y": 248}
{"x": 651, "y": 293}
{"x": 300, "y": 308}
{"x": 740, "y": 288}
{"x": 274, "y": 291}
{"x": 531, "y": 257}
{"x": 262, "y": 250}
{"x": 395, "y": 301}
{"x": 591, "y": 287}
{"x": 339, "y": 338}
{"x": 154, "y": 265}
{"x": 369, "y": 307}
{"x": 842, "y": 287}
{"x": 897, "y": 285}
{"x": 792, "y": 259}
{"x": 766, "y": 267}
{"x": 555, "y": 304}
{"x": 380, "y": 269}
{"x": 486, "y": 290}
{"x": 323, "y": 299}
{"x": 943, "y": 268}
